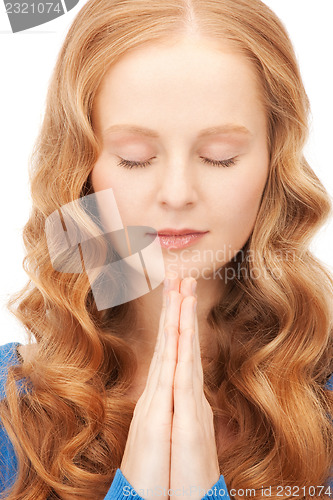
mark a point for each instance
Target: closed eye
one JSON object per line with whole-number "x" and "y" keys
{"x": 134, "y": 164}
{"x": 218, "y": 163}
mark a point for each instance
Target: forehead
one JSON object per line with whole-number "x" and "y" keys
{"x": 181, "y": 83}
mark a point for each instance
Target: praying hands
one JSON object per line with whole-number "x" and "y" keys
{"x": 171, "y": 440}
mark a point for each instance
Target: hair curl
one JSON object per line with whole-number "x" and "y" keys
{"x": 274, "y": 332}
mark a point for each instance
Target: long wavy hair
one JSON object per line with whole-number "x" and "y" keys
{"x": 273, "y": 325}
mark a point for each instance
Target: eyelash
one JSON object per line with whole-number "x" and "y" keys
{"x": 217, "y": 163}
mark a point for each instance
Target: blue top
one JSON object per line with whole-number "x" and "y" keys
{"x": 120, "y": 488}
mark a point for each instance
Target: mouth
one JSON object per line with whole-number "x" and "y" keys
{"x": 178, "y": 232}
{"x": 181, "y": 240}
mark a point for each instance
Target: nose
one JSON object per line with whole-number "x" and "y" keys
{"x": 177, "y": 184}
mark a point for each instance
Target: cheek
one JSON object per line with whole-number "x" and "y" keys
{"x": 247, "y": 199}
{"x": 239, "y": 206}
{"x": 103, "y": 176}
{"x": 100, "y": 177}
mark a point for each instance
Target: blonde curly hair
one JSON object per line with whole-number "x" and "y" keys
{"x": 274, "y": 332}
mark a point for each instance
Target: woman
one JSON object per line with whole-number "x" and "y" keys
{"x": 194, "y": 115}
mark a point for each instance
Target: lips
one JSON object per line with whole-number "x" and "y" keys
{"x": 178, "y": 232}
{"x": 178, "y": 238}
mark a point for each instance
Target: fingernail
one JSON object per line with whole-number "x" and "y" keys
{"x": 194, "y": 286}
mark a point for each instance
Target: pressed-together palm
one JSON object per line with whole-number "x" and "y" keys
{"x": 171, "y": 441}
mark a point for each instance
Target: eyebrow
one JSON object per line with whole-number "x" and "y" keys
{"x": 220, "y": 129}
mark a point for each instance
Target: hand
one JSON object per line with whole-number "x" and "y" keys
{"x": 146, "y": 460}
{"x": 194, "y": 459}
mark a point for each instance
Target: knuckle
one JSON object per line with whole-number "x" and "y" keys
{"x": 188, "y": 331}
{"x": 162, "y": 385}
{"x": 157, "y": 349}
{"x": 185, "y": 363}
{"x": 167, "y": 359}
{"x": 182, "y": 387}
{"x": 170, "y": 329}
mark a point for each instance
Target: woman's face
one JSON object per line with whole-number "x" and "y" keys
{"x": 179, "y": 107}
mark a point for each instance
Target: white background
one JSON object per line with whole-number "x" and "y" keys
{"x": 27, "y": 60}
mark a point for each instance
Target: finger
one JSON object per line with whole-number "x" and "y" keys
{"x": 159, "y": 340}
{"x": 185, "y": 403}
{"x": 197, "y": 352}
{"x": 186, "y": 345}
{"x": 169, "y": 284}
{"x": 174, "y": 280}
{"x": 162, "y": 384}
{"x": 188, "y": 286}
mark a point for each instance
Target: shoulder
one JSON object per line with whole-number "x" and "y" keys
{"x": 14, "y": 353}
{"x": 8, "y": 460}
{"x": 27, "y": 352}
{"x": 329, "y": 383}
{"x": 10, "y": 355}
